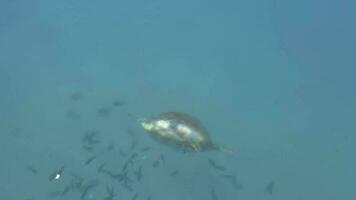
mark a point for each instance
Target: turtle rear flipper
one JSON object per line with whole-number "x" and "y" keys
{"x": 223, "y": 149}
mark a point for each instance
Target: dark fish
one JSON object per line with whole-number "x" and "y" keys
{"x": 162, "y": 157}
{"x": 126, "y": 165}
{"x": 133, "y": 145}
{"x": 122, "y": 153}
{"x": 88, "y": 148}
{"x": 56, "y": 175}
{"x": 15, "y": 132}
{"x": 76, "y": 96}
{"x": 131, "y": 132}
{"x": 89, "y": 160}
{"x": 270, "y": 187}
{"x": 134, "y": 155}
{"x": 139, "y": 174}
{"x": 110, "y": 193}
{"x": 65, "y": 190}
{"x": 121, "y": 177}
{"x": 107, "y": 172}
{"x": 229, "y": 176}
{"x": 101, "y": 168}
{"x": 110, "y": 147}
{"x": 73, "y": 115}
{"x": 55, "y": 194}
{"x": 149, "y": 197}
{"x": 213, "y": 194}
{"x": 129, "y": 161}
{"x": 118, "y": 103}
{"x": 134, "y": 139}
{"x": 155, "y": 163}
{"x": 145, "y": 149}
{"x": 91, "y": 138}
{"x": 216, "y": 166}
{"x": 32, "y": 169}
{"x": 174, "y": 173}
{"x": 237, "y": 186}
{"x": 77, "y": 183}
{"x": 127, "y": 187}
{"x": 234, "y": 182}
{"x": 135, "y": 196}
{"x": 105, "y": 111}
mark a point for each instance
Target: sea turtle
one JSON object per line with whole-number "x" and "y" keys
{"x": 180, "y": 130}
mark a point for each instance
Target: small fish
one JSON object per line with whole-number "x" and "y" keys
{"x": 149, "y": 197}
{"x": 73, "y": 115}
{"x": 135, "y": 196}
{"x": 91, "y": 138}
{"x": 55, "y": 194}
{"x": 122, "y": 153}
{"x": 77, "y": 183}
{"x": 131, "y": 132}
{"x": 56, "y": 175}
{"x": 89, "y": 160}
{"x": 145, "y": 149}
{"x": 139, "y": 174}
{"x": 101, "y": 168}
{"x": 105, "y": 111}
{"x": 15, "y": 132}
{"x": 118, "y": 103}
{"x": 134, "y": 155}
{"x": 126, "y": 165}
{"x": 76, "y": 96}
{"x": 133, "y": 145}
{"x": 213, "y": 194}
{"x": 32, "y": 169}
{"x": 107, "y": 172}
{"x": 174, "y": 173}
{"x": 234, "y": 182}
{"x": 270, "y": 187}
{"x": 128, "y": 187}
{"x": 121, "y": 177}
{"x": 110, "y": 192}
{"x": 129, "y": 161}
{"x": 110, "y": 147}
{"x": 216, "y": 166}
{"x": 155, "y": 163}
{"x": 237, "y": 186}
{"x": 65, "y": 190}
{"x": 163, "y": 159}
{"x": 88, "y": 148}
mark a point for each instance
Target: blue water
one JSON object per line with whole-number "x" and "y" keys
{"x": 272, "y": 80}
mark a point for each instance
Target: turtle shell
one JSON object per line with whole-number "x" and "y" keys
{"x": 180, "y": 130}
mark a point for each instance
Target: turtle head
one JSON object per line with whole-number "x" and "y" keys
{"x": 147, "y": 125}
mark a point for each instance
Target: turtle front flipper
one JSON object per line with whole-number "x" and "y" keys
{"x": 195, "y": 146}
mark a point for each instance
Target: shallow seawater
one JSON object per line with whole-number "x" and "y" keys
{"x": 271, "y": 80}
